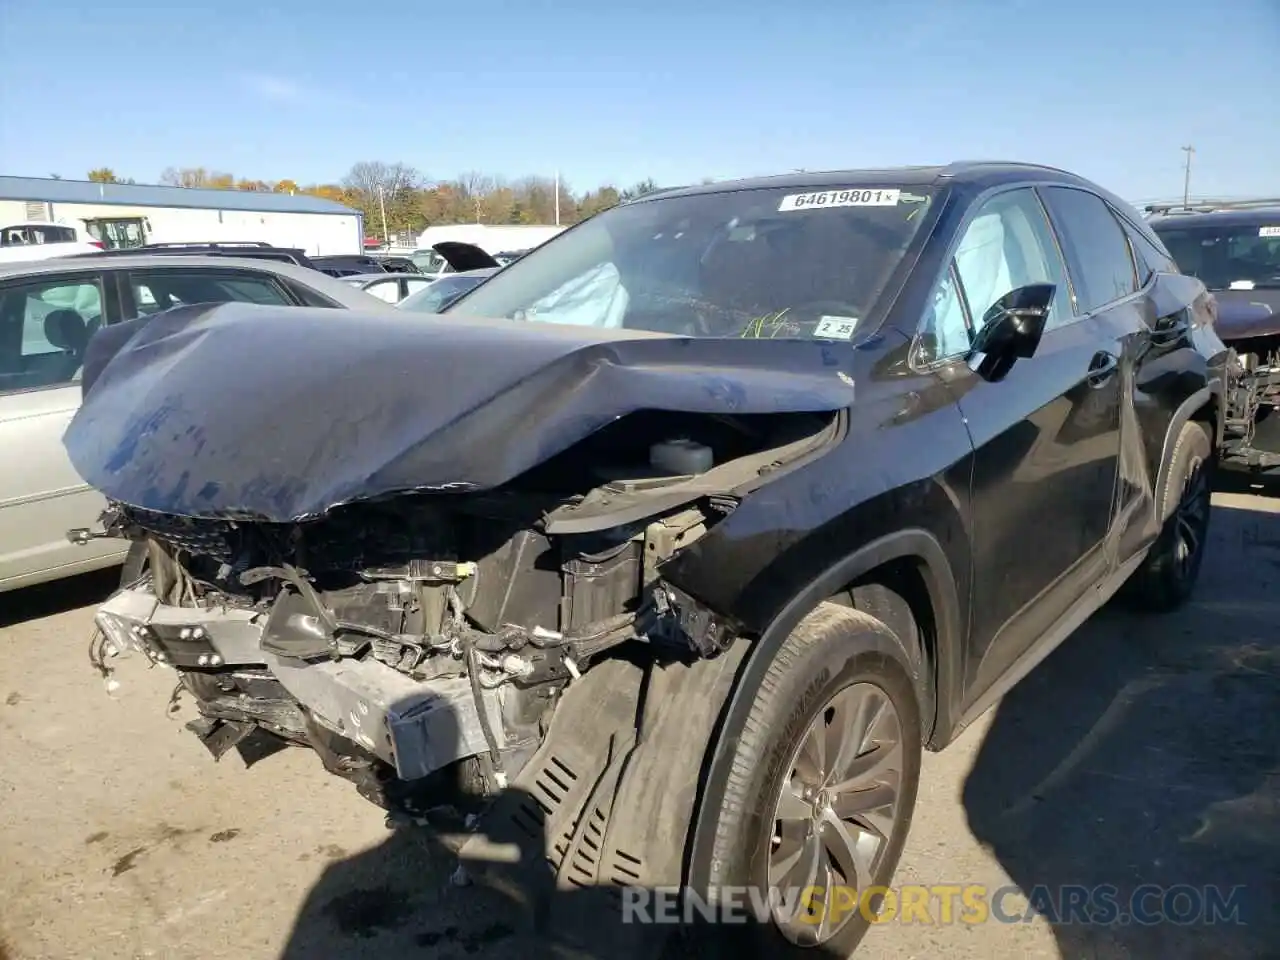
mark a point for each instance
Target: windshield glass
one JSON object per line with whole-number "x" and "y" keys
{"x": 1226, "y": 257}
{"x": 745, "y": 263}
{"x": 436, "y": 296}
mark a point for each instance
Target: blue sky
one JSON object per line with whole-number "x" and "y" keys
{"x": 616, "y": 92}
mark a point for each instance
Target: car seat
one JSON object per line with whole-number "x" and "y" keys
{"x": 68, "y": 331}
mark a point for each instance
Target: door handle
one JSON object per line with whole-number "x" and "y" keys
{"x": 1101, "y": 367}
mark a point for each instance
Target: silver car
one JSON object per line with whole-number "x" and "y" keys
{"x": 48, "y": 311}
{"x": 389, "y": 287}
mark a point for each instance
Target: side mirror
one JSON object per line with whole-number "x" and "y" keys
{"x": 1011, "y": 330}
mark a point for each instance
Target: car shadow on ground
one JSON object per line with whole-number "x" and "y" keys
{"x": 387, "y": 902}
{"x": 57, "y": 596}
{"x": 1146, "y": 751}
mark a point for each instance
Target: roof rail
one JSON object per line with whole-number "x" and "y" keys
{"x": 1211, "y": 206}
{"x": 209, "y": 243}
{"x": 165, "y": 251}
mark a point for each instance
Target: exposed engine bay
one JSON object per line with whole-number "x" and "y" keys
{"x": 420, "y": 643}
{"x": 1252, "y": 427}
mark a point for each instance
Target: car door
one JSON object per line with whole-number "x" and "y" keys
{"x": 1041, "y": 495}
{"x": 45, "y": 322}
{"x": 1109, "y": 285}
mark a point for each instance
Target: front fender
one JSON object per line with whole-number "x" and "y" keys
{"x": 935, "y": 679}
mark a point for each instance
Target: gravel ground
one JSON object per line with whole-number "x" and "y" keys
{"x": 1142, "y": 751}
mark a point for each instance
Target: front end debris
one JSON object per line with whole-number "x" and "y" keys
{"x": 421, "y": 644}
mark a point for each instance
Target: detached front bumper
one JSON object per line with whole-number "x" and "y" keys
{"x": 415, "y": 727}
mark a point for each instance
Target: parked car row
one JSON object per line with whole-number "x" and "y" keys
{"x": 430, "y": 293}
{"x": 667, "y": 548}
{"x": 38, "y": 241}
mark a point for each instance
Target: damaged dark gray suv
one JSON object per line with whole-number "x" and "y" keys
{"x": 671, "y": 546}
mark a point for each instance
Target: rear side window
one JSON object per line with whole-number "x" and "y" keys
{"x": 163, "y": 289}
{"x": 1097, "y": 250}
{"x": 44, "y": 328}
{"x": 1151, "y": 258}
{"x": 33, "y": 233}
{"x": 46, "y": 234}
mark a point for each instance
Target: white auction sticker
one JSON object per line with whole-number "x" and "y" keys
{"x": 1269, "y": 232}
{"x": 840, "y": 198}
{"x": 835, "y": 328}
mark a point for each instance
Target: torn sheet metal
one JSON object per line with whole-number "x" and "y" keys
{"x": 280, "y": 413}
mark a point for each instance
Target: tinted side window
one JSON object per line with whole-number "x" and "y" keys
{"x": 162, "y": 289}
{"x": 309, "y": 297}
{"x": 1101, "y": 262}
{"x": 1150, "y": 258}
{"x": 49, "y": 234}
{"x": 44, "y": 328}
{"x": 1008, "y": 244}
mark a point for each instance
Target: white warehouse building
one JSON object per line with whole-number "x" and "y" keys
{"x": 127, "y": 215}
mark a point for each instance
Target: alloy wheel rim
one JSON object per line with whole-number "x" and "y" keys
{"x": 836, "y": 814}
{"x": 1191, "y": 519}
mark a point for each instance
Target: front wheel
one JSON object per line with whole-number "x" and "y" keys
{"x": 821, "y": 790}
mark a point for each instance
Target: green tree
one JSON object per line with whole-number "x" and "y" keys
{"x": 103, "y": 175}
{"x": 639, "y": 190}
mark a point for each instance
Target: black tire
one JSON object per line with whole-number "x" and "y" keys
{"x": 135, "y": 564}
{"x": 1170, "y": 571}
{"x": 830, "y": 651}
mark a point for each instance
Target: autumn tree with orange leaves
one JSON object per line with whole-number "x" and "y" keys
{"x": 413, "y": 201}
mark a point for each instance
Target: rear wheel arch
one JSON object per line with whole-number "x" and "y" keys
{"x": 888, "y": 574}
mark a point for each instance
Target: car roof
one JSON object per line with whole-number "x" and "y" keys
{"x": 383, "y": 275}
{"x": 981, "y": 172}
{"x": 330, "y": 287}
{"x": 1251, "y": 217}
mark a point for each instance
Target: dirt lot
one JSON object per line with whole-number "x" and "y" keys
{"x": 1143, "y": 751}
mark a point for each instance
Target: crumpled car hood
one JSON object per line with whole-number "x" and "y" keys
{"x": 281, "y": 413}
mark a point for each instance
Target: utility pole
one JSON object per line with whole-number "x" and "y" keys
{"x": 557, "y": 198}
{"x": 1186, "y": 179}
{"x": 382, "y": 203}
